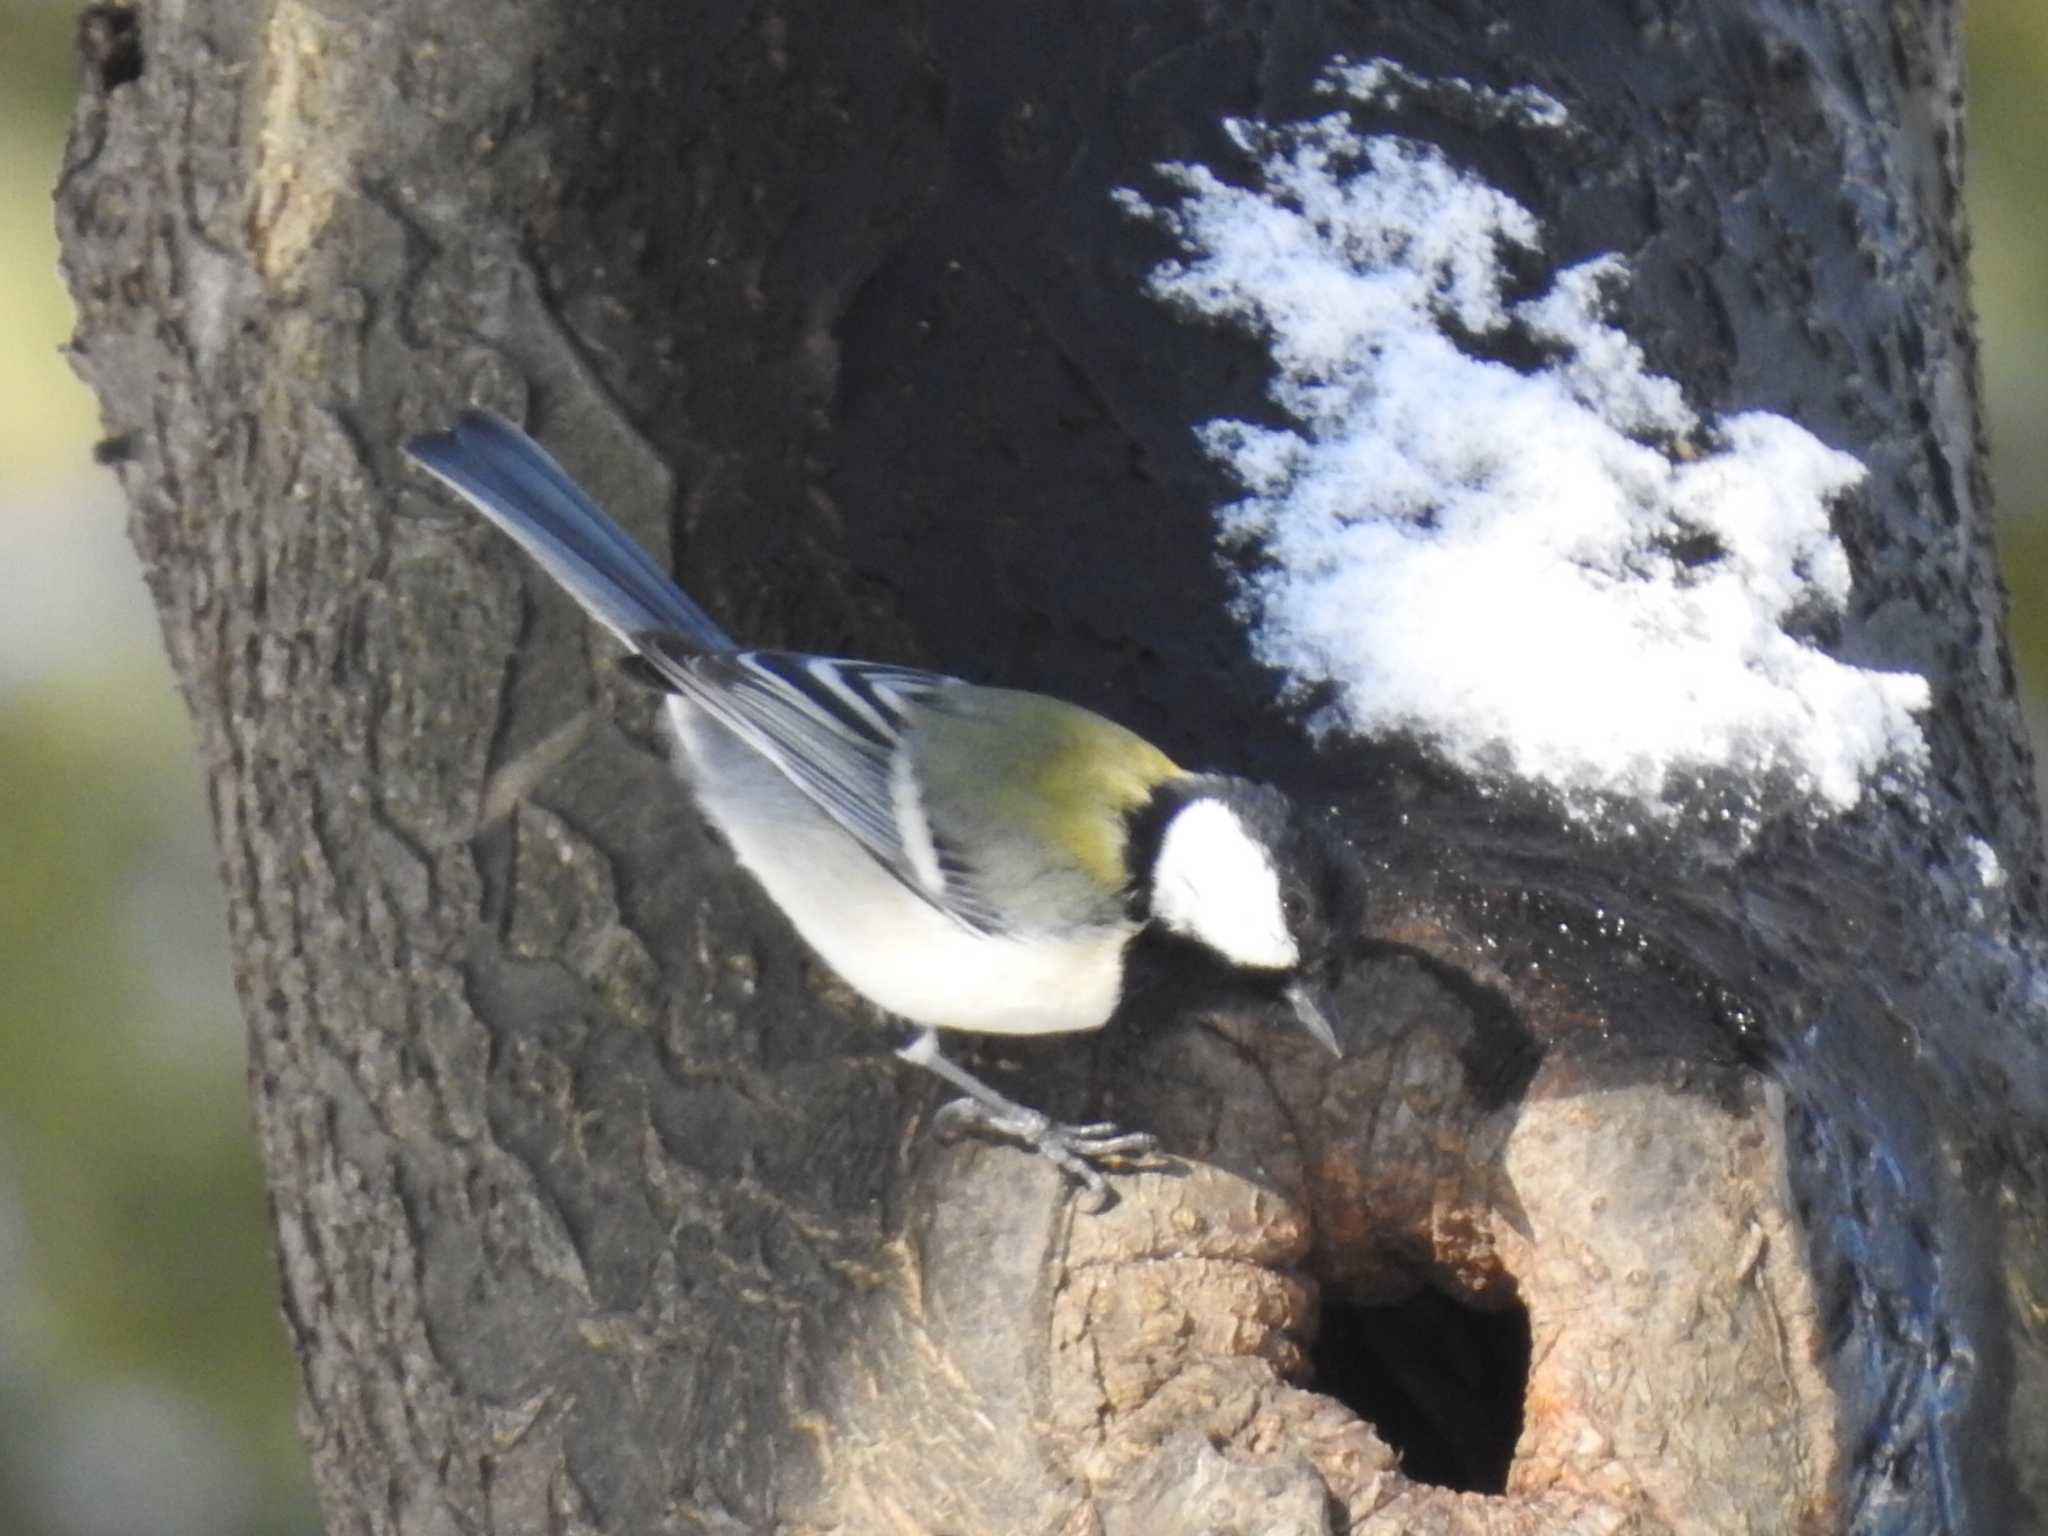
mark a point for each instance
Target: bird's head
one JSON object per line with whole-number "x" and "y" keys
{"x": 1246, "y": 874}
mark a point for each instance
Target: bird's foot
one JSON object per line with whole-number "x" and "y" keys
{"x": 1077, "y": 1150}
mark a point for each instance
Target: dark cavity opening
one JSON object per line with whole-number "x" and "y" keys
{"x": 110, "y": 45}
{"x": 1442, "y": 1382}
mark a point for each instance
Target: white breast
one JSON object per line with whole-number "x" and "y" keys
{"x": 890, "y": 944}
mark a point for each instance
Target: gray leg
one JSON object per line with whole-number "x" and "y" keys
{"x": 1076, "y": 1149}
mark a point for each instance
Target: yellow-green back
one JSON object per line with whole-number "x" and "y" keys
{"x": 1046, "y": 771}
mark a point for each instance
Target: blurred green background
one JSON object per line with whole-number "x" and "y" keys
{"x": 144, "y": 1380}
{"x": 145, "y": 1385}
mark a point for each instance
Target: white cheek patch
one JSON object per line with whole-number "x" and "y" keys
{"x": 1215, "y": 883}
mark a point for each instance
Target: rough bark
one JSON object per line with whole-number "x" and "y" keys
{"x": 602, "y": 1208}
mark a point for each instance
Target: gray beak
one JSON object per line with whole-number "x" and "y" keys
{"x": 1311, "y": 1006}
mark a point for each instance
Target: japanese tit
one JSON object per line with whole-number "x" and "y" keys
{"x": 968, "y": 858}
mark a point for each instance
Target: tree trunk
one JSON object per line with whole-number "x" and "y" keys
{"x": 1682, "y": 1181}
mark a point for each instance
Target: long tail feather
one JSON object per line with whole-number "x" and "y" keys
{"x": 514, "y": 482}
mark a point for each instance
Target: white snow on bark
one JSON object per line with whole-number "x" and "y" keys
{"x": 1562, "y": 574}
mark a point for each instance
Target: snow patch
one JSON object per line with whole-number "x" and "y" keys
{"x": 1382, "y": 82}
{"x": 1560, "y": 575}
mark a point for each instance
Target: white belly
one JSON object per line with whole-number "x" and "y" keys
{"x": 890, "y": 944}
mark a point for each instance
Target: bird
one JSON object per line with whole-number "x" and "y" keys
{"x": 968, "y": 858}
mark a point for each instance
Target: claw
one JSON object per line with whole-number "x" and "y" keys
{"x": 1075, "y": 1150}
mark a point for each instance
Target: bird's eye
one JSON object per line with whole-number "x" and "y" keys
{"x": 1293, "y": 907}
